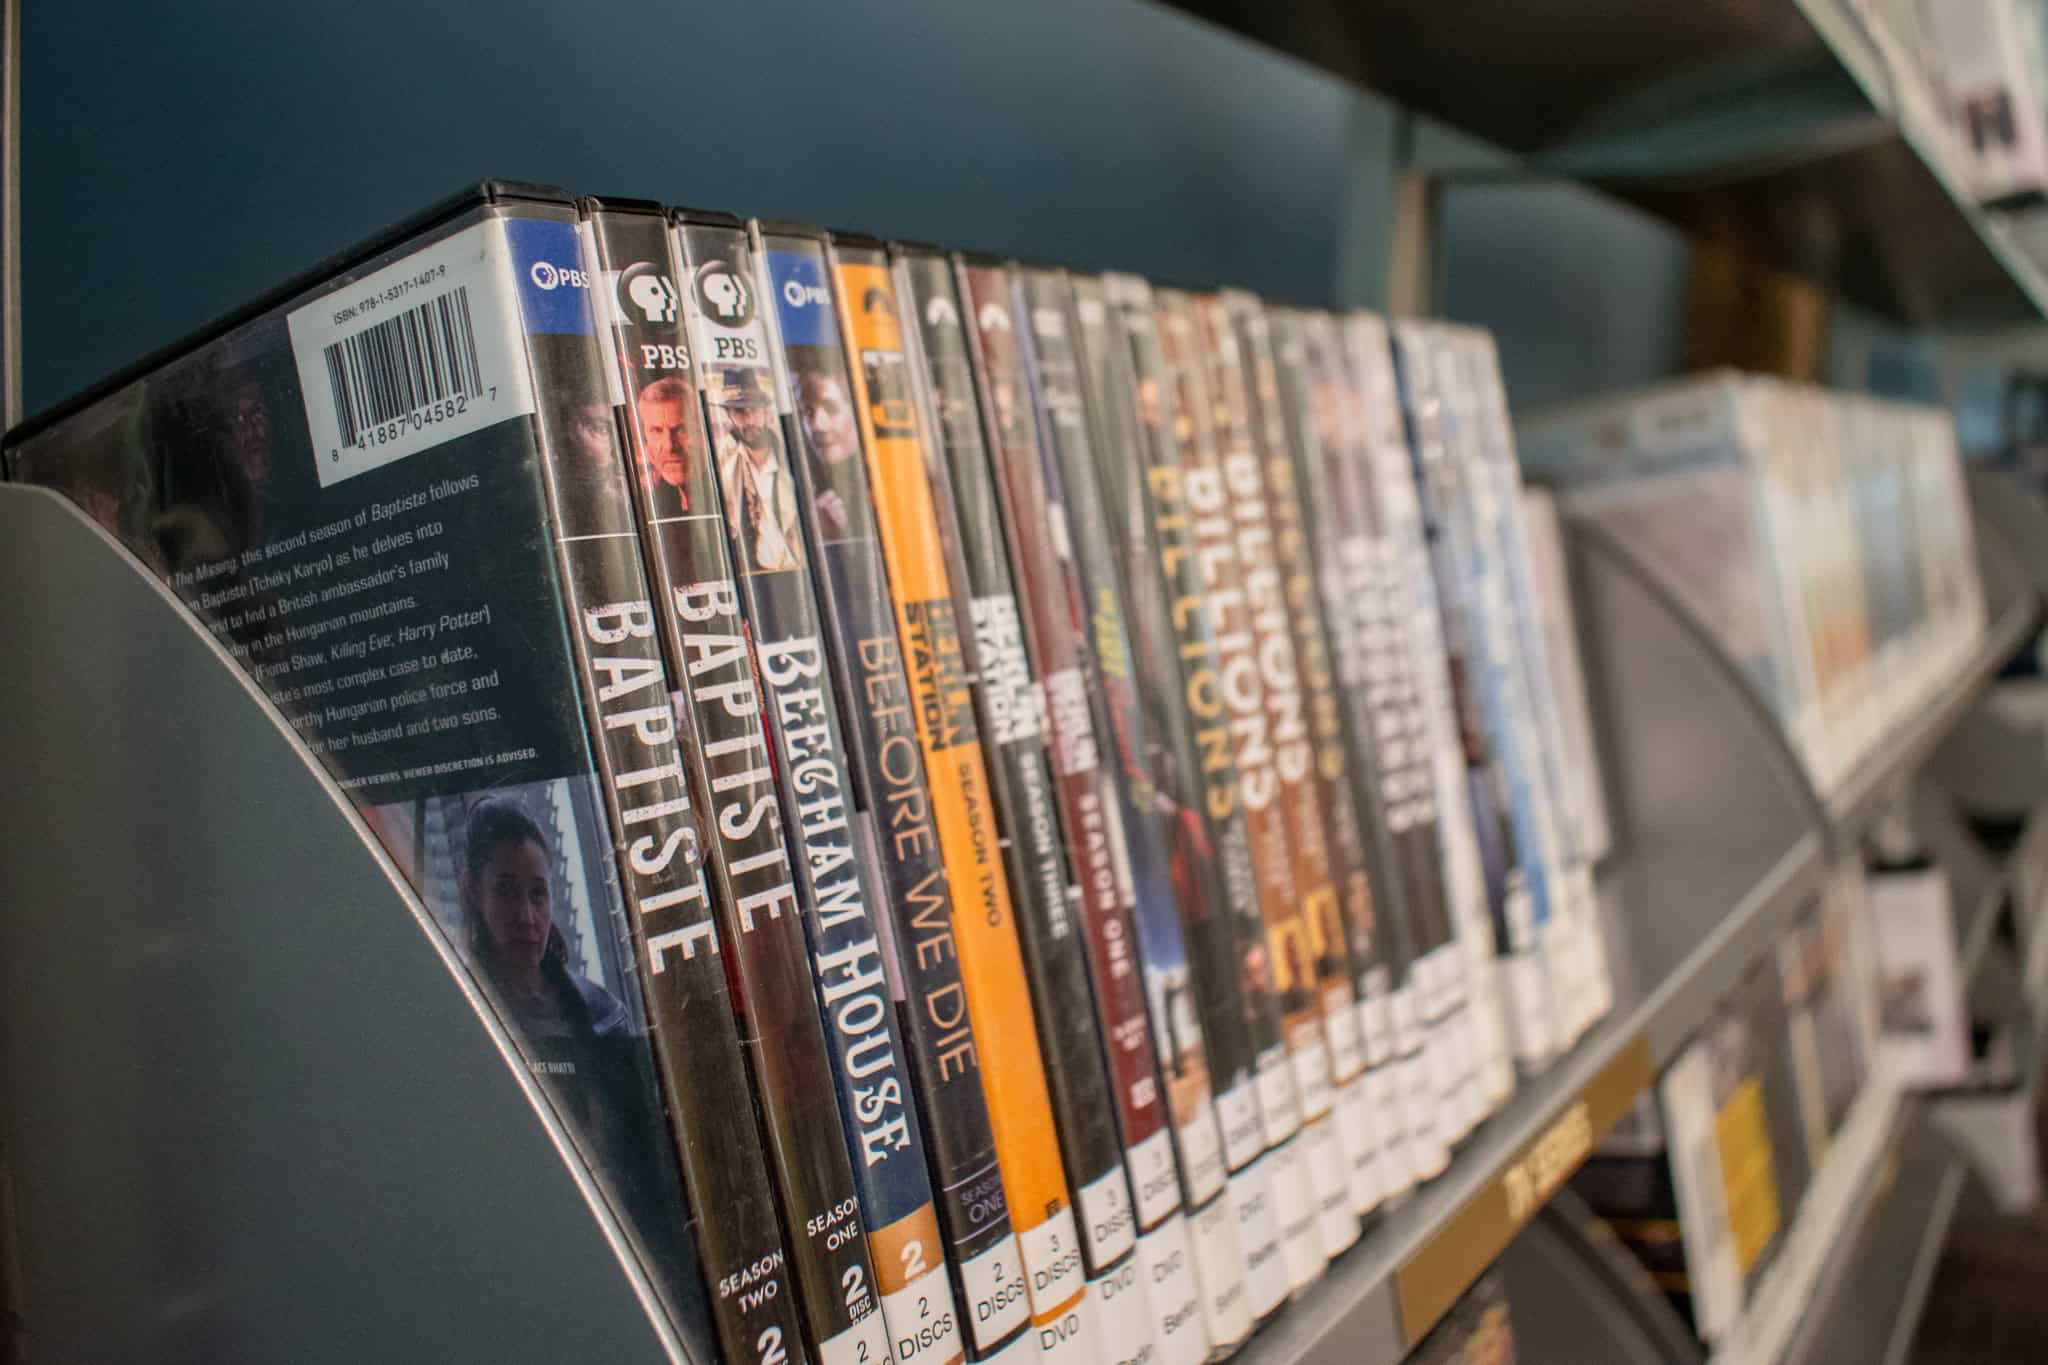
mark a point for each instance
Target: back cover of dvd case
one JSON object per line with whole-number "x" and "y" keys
{"x": 350, "y": 488}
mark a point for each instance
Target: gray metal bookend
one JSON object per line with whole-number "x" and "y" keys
{"x": 1719, "y": 836}
{"x": 253, "y": 1110}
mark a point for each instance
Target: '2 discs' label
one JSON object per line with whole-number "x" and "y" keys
{"x": 864, "y": 1343}
{"x": 998, "y": 1303}
{"x": 923, "y": 1324}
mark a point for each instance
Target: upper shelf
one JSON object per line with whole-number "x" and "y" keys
{"x": 1775, "y": 126}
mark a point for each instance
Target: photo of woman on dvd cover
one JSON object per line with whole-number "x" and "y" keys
{"x": 518, "y": 878}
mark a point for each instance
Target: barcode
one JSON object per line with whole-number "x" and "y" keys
{"x": 424, "y": 356}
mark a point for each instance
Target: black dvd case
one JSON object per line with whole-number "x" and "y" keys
{"x": 849, "y": 651}
{"x": 395, "y": 494}
{"x": 783, "y": 857}
{"x": 1059, "y": 912}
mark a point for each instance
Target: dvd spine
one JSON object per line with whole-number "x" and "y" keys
{"x": 1487, "y": 510}
{"x": 771, "y": 844}
{"x": 1226, "y": 492}
{"x": 1142, "y": 487}
{"x": 1011, "y": 711}
{"x": 941, "y": 707}
{"x": 1487, "y": 894}
{"x": 1077, "y": 571}
{"x": 683, "y": 956}
{"x": 1380, "y": 703}
{"x": 826, "y": 645}
{"x": 988, "y": 347}
{"x": 1458, "y": 493}
{"x": 1201, "y": 412}
{"x": 1342, "y": 937}
{"x": 1541, "y": 672}
{"x": 1436, "y": 420}
{"x": 768, "y": 962}
{"x": 1474, "y": 841}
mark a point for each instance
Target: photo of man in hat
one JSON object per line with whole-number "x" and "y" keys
{"x": 753, "y": 475}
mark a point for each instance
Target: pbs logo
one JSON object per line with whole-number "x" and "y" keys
{"x": 547, "y": 275}
{"x": 723, "y": 293}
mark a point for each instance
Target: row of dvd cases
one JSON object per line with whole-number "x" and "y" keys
{"x": 1004, "y": 811}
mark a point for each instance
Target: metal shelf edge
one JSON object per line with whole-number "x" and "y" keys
{"x": 1354, "y": 1313}
{"x": 1853, "y": 805}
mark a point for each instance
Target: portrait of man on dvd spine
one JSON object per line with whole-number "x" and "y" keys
{"x": 760, "y": 501}
{"x": 668, "y": 453}
{"x": 831, "y": 433}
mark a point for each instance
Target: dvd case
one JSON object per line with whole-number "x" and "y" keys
{"x": 1467, "y": 588}
{"x": 1551, "y": 581}
{"x": 1190, "y": 784}
{"x": 1149, "y": 1117}
{"x": 1049, "y": 897}
{"x": 1498, "y": 491}
{"x": 775, "y": 851}
{"x": 940, "y": 708}
{"x": 833, "y": 652}
{"x": 1355, "y": 832}
{"x": 1142, "y": 484}
{"x": 1378, "y": 651}
{"x": 1276, "y": 754}
{"x": 1399, "y": 827}
{"x": 1462, "y": 508}
{"x": 767, "y": 964}
{"x": 1080, "y": 573}
{"x": 1465, "y": 930}
{"x": 393, "y": 492}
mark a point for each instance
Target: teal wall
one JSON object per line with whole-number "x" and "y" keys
{"x": 1581, "y": 293}
{"x": 177, "y": 160}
